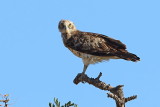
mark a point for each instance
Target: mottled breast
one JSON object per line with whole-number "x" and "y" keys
{"x": 91, "y": 59}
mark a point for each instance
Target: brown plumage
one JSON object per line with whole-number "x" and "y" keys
{"x": 93, "y": 47}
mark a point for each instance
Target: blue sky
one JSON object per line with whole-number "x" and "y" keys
{"x": 35, "y": 66}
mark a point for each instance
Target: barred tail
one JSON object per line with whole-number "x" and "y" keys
{"x": 129, "y": 56}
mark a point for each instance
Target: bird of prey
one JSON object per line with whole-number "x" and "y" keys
{"x": 92, "y": 47}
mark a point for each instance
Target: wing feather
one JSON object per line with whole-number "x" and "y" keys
{"x": 94, "y": 44}
{"x": 114, "y": 43}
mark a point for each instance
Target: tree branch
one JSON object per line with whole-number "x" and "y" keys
{"x": 130, "y": 98}
{"x": 116, "y": 92}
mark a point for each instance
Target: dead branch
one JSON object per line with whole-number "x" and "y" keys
{"x": 116, "y": 92}
{"x": 5, "y": 100}
{"x": 130, "y": 98}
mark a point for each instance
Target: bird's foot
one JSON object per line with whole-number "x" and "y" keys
{"x": 81, "y": 77}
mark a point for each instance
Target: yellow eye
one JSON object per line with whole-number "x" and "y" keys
{"x": 70, "y": 26}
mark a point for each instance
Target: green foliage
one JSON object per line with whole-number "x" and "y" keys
{"x": 57, "y": 104}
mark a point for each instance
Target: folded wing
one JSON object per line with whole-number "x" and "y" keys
{"x": 94, "y": 44}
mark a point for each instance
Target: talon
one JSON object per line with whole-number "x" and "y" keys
{"x": 81, "y": 78}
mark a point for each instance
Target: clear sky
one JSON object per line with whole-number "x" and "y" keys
{"x": 35, "y": 66}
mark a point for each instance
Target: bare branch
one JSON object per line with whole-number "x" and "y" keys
{"x": 5, "y": 100}
{"x": 115, "y": 97}
{"x": 94, "y": 81}
{"x": 130, "y": 98}
{"x": 116, "y": 92}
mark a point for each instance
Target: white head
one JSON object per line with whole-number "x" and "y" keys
{"x": 66, "y": 26}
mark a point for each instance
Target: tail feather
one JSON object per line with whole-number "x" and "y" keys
{"x": 128, "y": 56}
